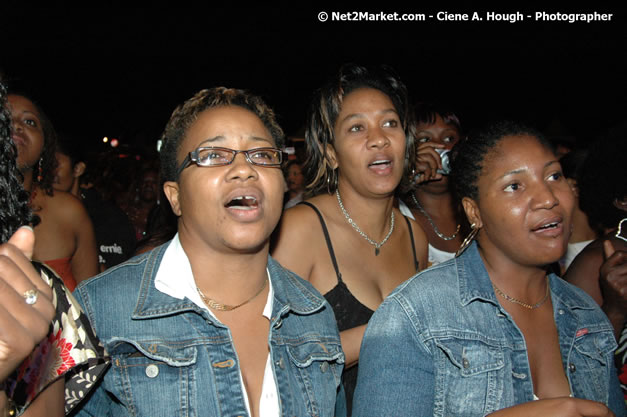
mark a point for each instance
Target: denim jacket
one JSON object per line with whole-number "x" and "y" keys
{"x": 442, "y": 345}
{"x": 171, "y": 358}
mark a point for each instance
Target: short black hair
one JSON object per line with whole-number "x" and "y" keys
{"x": 187, "y": 113}
{"x": 468, "y": 155}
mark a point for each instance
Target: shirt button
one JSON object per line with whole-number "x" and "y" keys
{"x": 280, "y": 363}
{"x": 465, "y": 363}
{"x": 572, "y": 367}
{"x": 560, "y": 311}
{"x": 152, "y": 371}
{"x": 324, "y": 366}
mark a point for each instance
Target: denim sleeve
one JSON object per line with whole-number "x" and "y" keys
{"x": 616, "y": 401}
{"x": 396, "y": 373}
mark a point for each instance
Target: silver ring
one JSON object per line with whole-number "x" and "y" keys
{"x": 30, "y": 296}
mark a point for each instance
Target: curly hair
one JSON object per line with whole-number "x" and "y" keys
{"x": 602, "y": 182}
{"x": 325, "y": 109}
{"x": 187, "y": 113}
{"x": 15, "y": 210}
{"x": 468, "y": 155}
{"x": 47, "y": 158}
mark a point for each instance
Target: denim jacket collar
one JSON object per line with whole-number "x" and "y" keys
{"x": 474, "y": 281}
{"x": 289, "y": 294}
{"x": 475, "y": 284}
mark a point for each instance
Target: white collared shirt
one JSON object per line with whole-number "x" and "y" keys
{"x": 175, "y": 278}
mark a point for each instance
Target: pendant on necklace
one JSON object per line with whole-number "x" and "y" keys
{"x": 376, "y": 251}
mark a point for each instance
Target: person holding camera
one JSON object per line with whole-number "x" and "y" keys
{"x": 430, "y": 201}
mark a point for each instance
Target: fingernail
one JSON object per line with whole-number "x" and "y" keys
{"x": 27, "y": 227}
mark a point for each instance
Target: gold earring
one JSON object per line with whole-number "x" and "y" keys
{"x": 471, "y": 236}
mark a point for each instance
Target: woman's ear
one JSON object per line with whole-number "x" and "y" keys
{"x": 79, "y": 169}
{"x": 331, "y": 156}
{"x": 572, "y": 183}
{"x": 473, "y": 214}
{"x": 171, "y": 191}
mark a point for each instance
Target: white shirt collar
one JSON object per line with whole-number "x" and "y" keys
{"x": 175, "y": 278}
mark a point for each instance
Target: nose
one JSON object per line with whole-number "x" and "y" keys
{"x": 241, "y": 168}
{"x": 544, "y": 197}
{"x": 377, "y": 139}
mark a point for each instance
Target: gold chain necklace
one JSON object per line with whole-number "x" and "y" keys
{"x": 377, "y": 245}
{"x": 225, "y": 307}
{"x": 435, "y": 228}
{"x": 522, "y": 303}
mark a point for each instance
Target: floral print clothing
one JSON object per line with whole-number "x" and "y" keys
{"x": 71, "y": 350}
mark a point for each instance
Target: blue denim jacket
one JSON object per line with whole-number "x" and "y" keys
{"x": 170, "y": 358}
{"x": 442, "y": 345}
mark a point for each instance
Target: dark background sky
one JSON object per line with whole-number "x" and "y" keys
{"x": 120, "y": 72}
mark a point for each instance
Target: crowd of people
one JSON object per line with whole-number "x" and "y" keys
{"x": 406, "y": 267}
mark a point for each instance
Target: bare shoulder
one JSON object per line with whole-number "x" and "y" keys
{"x": 299, "y": 233}
{"x": 65, "y": 206}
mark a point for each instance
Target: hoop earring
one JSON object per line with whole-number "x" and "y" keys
{"x": 471, "y": 236}
{"x": 329, "y": 190}
{"x": 40, "y": 171}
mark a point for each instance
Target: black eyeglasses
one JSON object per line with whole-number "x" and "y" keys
{"x": 216, "y": 157}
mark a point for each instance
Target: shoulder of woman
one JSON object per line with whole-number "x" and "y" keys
{"x": 66, "y": 205}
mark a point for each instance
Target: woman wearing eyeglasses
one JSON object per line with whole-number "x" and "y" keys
{"x": 207, "y": 324}
{"x": 349, "y": 240}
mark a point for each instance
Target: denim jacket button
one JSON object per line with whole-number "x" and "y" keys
{"x": 324, "y": 366}
{"x": 572, "y": 367}
{"x": 465, "y": 363}
{"x": 152, "y": 371}
{"x": 560, "y": 311}
{"x": 280, "y": 363}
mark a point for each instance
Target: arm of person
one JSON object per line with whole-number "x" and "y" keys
{"x": 396, "y": 370}
{"x": 22, "y": 326}
{"x": 583, "y": 272}
{"x": 556, "y": 407}
{"x": 85, "y": 258}
{"x": 613, "y": 283}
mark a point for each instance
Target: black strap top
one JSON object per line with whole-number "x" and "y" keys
{"x": 349, "y": 312}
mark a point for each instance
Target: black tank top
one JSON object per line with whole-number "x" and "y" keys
{"x": 349, "y": 311}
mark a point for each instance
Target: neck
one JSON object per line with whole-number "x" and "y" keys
{"x": 435, "y": 203}
{"x": 226, "y": 276}
{"x": 581, "y": 228}
{"x": 518, "y": 281}
{"x": 372, "y": 215}
{"x": 27, "y": 183}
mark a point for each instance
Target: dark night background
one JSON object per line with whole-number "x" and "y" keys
{"x": 120, "y": 72}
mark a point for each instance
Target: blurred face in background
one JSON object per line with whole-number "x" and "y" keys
{"x": 28, "y": 134}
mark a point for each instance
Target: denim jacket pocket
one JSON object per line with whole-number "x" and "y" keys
{"x": 317, "y": 364}
{"x": 469, "y": 375}
{"x": 590, "y": 362}
{"x": 154, "y": 375}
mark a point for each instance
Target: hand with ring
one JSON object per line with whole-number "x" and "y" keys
{"x": 26, "y": 308}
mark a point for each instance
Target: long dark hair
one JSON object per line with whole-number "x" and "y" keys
{"x": 326, "y": 106}
{"x": 14, "y": 208}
